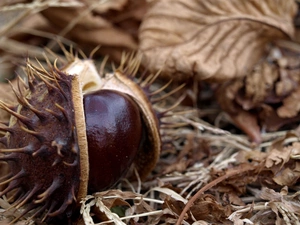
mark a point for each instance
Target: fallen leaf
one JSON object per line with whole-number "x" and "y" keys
{"x": 113, "y": 25}
{"x": 209, "y": 209}
{"x": 291, "y": 105}
{"x": 213, "y": 39}
{"x": 288, "y": 176}
{"x": 206, "y": 208}
{"x": 258, "y": 85}
{"x": 250, "y": 156}
{"x": 268, "y": 95}
{"x": 286, "y": 207}
{"x": 248, "y": 123}
{"x": 285, "y": 169}
{"x": 278, "y": 157}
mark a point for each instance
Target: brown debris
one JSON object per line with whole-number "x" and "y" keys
{"x": 269, "y": 95}
{"x": 193, "y": 151}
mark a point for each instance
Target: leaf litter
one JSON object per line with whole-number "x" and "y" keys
{"x": 233, "y": 159}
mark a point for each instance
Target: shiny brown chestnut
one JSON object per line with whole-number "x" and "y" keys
{"x": 114, "y": 125}
{"x": 72, "y": 133}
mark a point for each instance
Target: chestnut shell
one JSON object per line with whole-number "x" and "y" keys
{"x": 47, "y": 143}
{"x": 44, "y": 159}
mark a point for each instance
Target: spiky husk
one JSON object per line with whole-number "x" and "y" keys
{"x": 50, "y": 165}
{"x": 42, "y": 149}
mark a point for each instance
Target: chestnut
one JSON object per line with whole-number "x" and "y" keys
{"x": 75, "y": 132}
{"x": 113, "y": 124}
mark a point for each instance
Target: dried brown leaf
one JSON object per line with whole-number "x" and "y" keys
{"x": 209, "y": 209}
{"x": 269, "y": 94}
{"x": 259, "y": 85}
{"x": 226, "y": 95}
{"x": 91, "y": 29}
{"x": 237, "y": 184}
{"x": 288, "y": 176}
{"x": 111, "y": 24}
{"x": 286, "y": 207}
{"x": 291, "y": 105}
{"x": 253, "y": 156}
{"x": 172, "y": 207}
{"x": 248, "y": 123}
{"x": 212, "y": 39}
{"x": 278, "y": 157}
{"x": 206, "y": 208}
{"x": 286, "y": 170}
